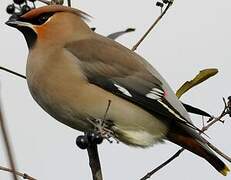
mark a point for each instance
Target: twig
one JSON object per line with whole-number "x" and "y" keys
{"x": 12, "y": 72}
{"x": 107, "y": 109}
{"x": 45, "y": 2}
{"x": 214, "y": 119}
{"x": 204, "y": 128}
{"x": 148, "y": 175}
{"x": 7, "y": 145}
{"x": 94, "y": 162}
{"x": 152, "y": 26}
{"x": 23, "y": 175}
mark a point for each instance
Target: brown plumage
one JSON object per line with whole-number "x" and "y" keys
{"x": 72, "y": 72}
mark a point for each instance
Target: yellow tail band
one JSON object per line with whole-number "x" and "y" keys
{"x": 225, "y": 171}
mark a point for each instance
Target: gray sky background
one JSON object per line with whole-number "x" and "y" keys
{"x": 192, "y": 36}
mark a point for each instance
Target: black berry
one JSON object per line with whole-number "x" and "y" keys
{"x": 82, "y": 142}
{"x": 98, "y": 139}
{"x": 10, "y": 9}
{"x": 19, "y": 1}
{"x": 165, "y": 1}
{"x": 94, "y": 138}
{"x": 90, "y": 136}
{"x": 160, "y": 4}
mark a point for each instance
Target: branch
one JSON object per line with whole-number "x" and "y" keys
{"x": 7, "y": 145}
{"x": 94, "y": 162}
{"x": 12, "y": 72}
{"x": 152, "y": 26}
{"x": 213, "y": 120}
{"x": 52, "y": 2}
{"x": 23, "y": 175}
{"x": 148, "y": 175}
{"x": 45, "y": 2}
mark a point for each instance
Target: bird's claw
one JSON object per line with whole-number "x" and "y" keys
{"x": 102, "y": 128}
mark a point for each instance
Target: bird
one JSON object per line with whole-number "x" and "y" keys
{"x": 88, "y": 81}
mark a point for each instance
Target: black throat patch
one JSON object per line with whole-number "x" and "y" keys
{"x": 29, "y": 35}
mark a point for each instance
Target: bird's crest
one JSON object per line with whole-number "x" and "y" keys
{"x": 54, "y": 8}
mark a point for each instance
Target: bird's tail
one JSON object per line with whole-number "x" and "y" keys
{"x": 196, "y": 146}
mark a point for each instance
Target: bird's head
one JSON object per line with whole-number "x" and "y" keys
{"x": 50, "y": 24}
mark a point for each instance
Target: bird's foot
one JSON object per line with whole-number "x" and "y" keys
{"x": 103, "y": 128}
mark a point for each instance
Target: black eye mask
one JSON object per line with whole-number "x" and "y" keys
{"x": 41, "y": 19}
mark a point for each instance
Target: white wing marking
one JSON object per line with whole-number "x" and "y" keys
{"x": 123, "y": 90}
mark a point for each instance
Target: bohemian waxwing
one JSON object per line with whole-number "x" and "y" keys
{"x": 73, "y": 73}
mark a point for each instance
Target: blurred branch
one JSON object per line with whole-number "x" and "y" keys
{"x": 152, "y": 26}
{"x": 23, "y": 175}
{"x": 69, "y": 3}
{"x": 7, "y": 145}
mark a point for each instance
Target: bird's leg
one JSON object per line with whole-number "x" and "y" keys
{"x": 103, "y": 128}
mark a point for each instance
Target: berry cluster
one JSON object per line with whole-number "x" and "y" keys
{"x": 84, "y": 141}
{"x": 20, "y": 6}
{"x": 161, "y": 4}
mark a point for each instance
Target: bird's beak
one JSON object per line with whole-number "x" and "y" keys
{"x": 13, "y": 23}
{"x": 17, "y": 23}
{"x": 27, "y": 29}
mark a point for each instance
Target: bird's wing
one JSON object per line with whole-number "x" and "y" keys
{"x": 115, "y": 68}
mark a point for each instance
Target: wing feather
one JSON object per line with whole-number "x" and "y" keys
{"x": 117, "y": 69}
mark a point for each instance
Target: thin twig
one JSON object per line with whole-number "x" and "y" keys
{"x": 152, "y": 26}
{"x": 214, "y": 119}
{"x": 23, "y": 175}
{"x": 12, "y": 72}
{"x": 94, "y": 162}
{"x": 148, "y": 175}
{"x": 107, "y": 109}
{"x": 7, "y": 145}
{"x": 45, "y": 2}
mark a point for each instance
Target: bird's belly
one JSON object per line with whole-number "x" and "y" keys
{"x": 131, "y": 124}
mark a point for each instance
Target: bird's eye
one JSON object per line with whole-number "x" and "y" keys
{"x": 43, "y": 18}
